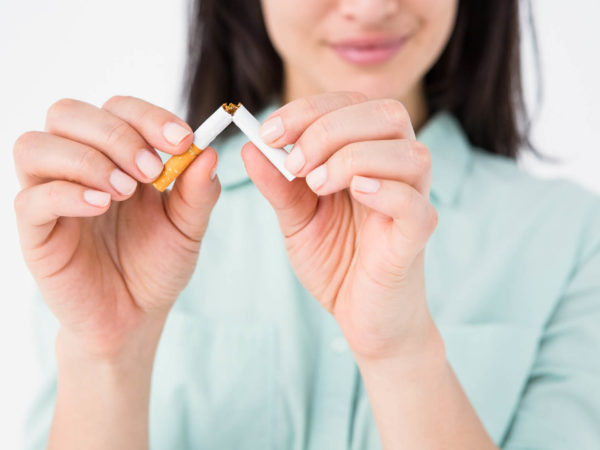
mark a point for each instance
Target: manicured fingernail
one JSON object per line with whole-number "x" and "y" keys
{"x": 149, "y": 164}
{"x": 122, "y": 182}
{"x": 96, "y": 198}
{"x": 271, "y": 129}
{"x": 175, "y": 133}
{"x": 317, "y": 177}
{"x": 295, "y": 160}
{"x": 213, "y": 173}
{"x": 364, "y": 184}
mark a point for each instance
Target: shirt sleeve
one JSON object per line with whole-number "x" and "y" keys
{"x": 40, "y": 410}
{"x": 560, "y": 405}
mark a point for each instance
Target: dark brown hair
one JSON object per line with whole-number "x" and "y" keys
{"x": 477, "y": 78}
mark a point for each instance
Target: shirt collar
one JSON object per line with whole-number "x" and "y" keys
{"x": 451, "y": 155}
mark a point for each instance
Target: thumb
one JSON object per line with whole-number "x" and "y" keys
{"x": 294, "y": 202}
{"x": 194, "y": 195}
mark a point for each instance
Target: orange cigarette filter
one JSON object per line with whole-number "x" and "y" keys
{"x": 174, "y": 167}
{"x": 203, "y": 136}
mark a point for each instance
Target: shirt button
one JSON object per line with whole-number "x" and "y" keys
{"x": 339, "y": 345}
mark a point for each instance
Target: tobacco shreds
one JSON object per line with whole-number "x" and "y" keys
{"x": 230, "y": 108}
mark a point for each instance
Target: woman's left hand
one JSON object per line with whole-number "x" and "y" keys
{"x": 356, "y": 227}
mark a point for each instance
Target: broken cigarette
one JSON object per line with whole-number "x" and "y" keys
{"x": 250, "y": 127}
{"x": 209, "y": 130}
{"x": 203, "y": 136}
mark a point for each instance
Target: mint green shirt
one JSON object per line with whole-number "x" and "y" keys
{"x": 249, "y": 360}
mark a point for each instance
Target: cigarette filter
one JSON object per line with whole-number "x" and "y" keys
{"x": 203, "y": 136}
{"x": 250, "y": 126}
{"x": 209, "y": 130}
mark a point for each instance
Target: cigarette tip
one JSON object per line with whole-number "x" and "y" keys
{"x": 230, "y": 108}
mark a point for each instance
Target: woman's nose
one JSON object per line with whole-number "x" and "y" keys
{"x": 368, "y": 12}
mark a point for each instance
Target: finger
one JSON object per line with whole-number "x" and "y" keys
{"x": 285, "y": 125}
{"x": 38, "y": 207}
{"x": 161, "y": 128}
{"x": 293, "y": 202}
{"x": 194, "y": 195}
{"x": 399, "y": 159}
{"x": 98, "y": 128}
{"x": 41, "y": 157}
{"x": 367, "y": 121}
{"x": 412, "y": 218}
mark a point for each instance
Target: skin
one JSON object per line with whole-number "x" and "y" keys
{"x": 111, "y": 275}
{"x": 301, "y": 30}
{"x": 361, "y": 254}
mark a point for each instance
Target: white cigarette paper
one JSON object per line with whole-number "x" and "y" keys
{"x": 250, "y": 126}
{"x": 211, "y": 128}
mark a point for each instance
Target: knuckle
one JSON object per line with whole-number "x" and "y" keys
{"x": 432, "y": 216}
{"x": 316, "y": 106}
{"x": 53, "y": 194}
{"x": 88, "y": 162}
{"x": 113, "y": 101}
{"x": 408, "y": 199}
{"x": 316, "y": 136}
{"x": 311, "y": 107}
{"x": 421, "y": 156}
{"x": 23, "y": 144}
{"x": 147, "y": 113}
{"x": 19, "y": 202}
{"x": 59, "y": 108}
{"x": 116, "y": 132}
{"x": 356, "y": 97}
{"x": 352, "y": 159}
{"x": 394, "y": 112}
{"x": 326, "y": 127}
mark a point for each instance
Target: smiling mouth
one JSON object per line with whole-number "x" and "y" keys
{"x": 367, "y": 51}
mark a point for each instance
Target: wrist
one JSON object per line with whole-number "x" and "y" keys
{"x": 115, "y": 350}
{"x": 101, "y": 390}
{"x": 418, "y": 402}
{"x": 422, "y": 354}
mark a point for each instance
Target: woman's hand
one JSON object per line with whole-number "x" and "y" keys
{"x": 110, "y": 254}
{"x": 358, "y": 247}
{"x": 111, "y": 270}
{"x": 357, "y": 226}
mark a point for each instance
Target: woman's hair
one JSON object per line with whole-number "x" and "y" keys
{"x": 477, "y": 78}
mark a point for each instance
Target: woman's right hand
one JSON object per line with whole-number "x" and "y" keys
{"x": 110, "y": 272}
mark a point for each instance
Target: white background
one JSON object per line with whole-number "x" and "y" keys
{"x": 93, "y": 50}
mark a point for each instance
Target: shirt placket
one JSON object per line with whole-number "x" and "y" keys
{"x": 334, "y": 390}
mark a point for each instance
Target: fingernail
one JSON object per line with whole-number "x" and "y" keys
{"x": 271, "y": 129}
{"x": 317, "y": 177}
{"x": 96, "y": 198}
{"x": 149, "y": 163}
{"x": 213, "y": 173}
{"x": 295, "y": 160}
{"x": 122, "y": 182}
{"x": 364, "y": 184}
{"x": 175, "y": 133}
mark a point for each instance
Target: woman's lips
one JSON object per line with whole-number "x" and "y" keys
{"x": 367, "y": 51}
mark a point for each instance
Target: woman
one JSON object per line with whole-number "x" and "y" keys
{"x": 307, "y": 313}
